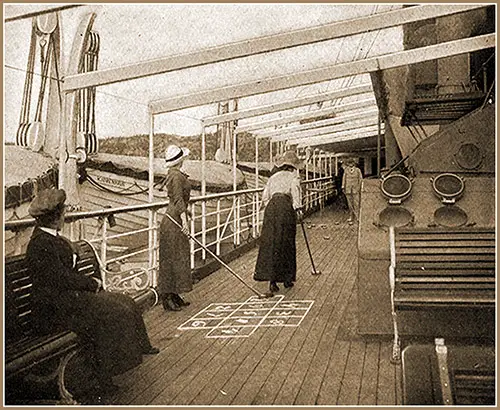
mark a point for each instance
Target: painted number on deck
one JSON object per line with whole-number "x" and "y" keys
{"x": 225, "y": 320}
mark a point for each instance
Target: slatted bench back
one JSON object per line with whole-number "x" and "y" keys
{"x": 444, "y": 268}
{"x": 19, "y": 324}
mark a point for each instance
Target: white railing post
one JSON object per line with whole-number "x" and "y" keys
{"x": 238, "y": 213}
{"x": 234, "y": 221}
{"x": 254, "y": 219}
{"x": 154, "y": 252}
{"x": 306, "y": 196}
{"x": 218, "y": 241}
{"x": 191, "y": 243}
{"x": 104, "y": 244}
{"x": 256, "y": 162}
{"x": 204, "y": 228}
{"x": 257, "y": 213}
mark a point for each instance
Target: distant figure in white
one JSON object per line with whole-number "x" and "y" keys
{"x": 351, "y": 185}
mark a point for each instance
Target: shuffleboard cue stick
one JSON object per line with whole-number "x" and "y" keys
{"x": 260, "y": 295}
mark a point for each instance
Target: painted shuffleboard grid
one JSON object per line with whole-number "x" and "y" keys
{"x": 223, "y": 320}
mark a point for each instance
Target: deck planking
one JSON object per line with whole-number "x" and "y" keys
{"x": 320, "y": 362}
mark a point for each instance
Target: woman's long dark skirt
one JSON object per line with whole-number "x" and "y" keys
{"x": 174, "y": 275}
{"x": 112, "y": 324}
{"x": 277, "y": 254}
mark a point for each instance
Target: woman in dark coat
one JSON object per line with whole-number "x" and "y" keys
{"x": 276, "y": 261}
{"x": 174, "y": 276}
{"x": 111, "y": 324}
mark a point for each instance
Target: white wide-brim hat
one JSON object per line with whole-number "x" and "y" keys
{"x": 289, "y": 158}
{"x": 175, "y": 154}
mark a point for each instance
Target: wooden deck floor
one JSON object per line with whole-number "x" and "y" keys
{"x": 320, "y": 362}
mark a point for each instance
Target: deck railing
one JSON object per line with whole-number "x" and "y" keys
{"x": 316, "y": 192}
{"x": 220, "y": 222}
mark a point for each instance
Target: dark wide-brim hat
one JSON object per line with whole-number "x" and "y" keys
{"x": 289, "y": 158}
{"x": 47, "y": 201}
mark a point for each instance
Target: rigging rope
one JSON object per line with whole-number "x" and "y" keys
{"x": 28, "y": 85}
{"x": 45, "y": 71}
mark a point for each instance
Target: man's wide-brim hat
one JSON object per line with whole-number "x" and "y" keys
{"x": 46, "y": 202}
{"x": 175, "y": 154}
{"x": 289, "y": 158}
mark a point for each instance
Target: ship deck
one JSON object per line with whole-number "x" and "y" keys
{"x": 322, "y": 361}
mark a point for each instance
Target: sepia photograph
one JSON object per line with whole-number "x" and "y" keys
{"x": 249, "y": 204}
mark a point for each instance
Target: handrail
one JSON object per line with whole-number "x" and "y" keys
{"x": 75, "y": 216}
{"x": 328, "y": 178}
{"x": 244, "y": 216}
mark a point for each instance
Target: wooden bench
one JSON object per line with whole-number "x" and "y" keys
{"x": 442, "y": 283}
{"x": 26, "y": 350}
{"x": 445, "y": 268}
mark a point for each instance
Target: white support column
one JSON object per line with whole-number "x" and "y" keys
{"x": 255, "y": 197}
{"x": 236, "y": 216}
{"x": 203, "y": 192}
{"x": 314, "y": 163}
{"x": 256, "y": 163}
{"x": 379, "y": 136}
{"x": 152, "y": 233}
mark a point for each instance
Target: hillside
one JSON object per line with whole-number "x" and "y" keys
{"x": 139, "y": 145}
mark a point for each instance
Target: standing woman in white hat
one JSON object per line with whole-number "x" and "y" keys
{"x": 282, "y": 198}
{"x": 175, "y": 270}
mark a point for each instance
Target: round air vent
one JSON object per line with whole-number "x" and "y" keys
{"x": 450, "y": 216}
{"x": 448, "y": 186}
{"x": 396, "y": 216}
{"x": 396, "y": 187}
{"x": 469, "y": 156}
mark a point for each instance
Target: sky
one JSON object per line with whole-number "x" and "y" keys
{"x": 131, "y": 33}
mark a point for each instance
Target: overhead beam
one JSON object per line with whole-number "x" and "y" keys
{"x": 284, "y": 133}
{"x": 262, "y": 45}
{"x": 366, "y": 146}
{"x": 351, "y": 125}
{"x": 40, "y": 12}
{"x": 288, "y": 104}
{"x": 337, "y": 137}
{"x": 384, "y": 62}
{"x": 287, "y": 119}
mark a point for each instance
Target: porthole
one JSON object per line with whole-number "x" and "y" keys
{"x": 469, "y": 156}
{"x": 396, "y": 216}
{"x": 396, "y": 187}
{"x": 450, "y": 216}
{"x": 448, "y": 186}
